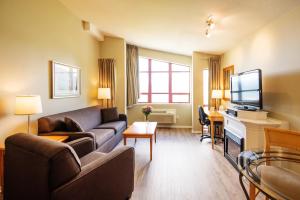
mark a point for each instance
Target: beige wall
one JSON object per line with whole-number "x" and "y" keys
{"x": 184, "y": 111}
{"x": 275, "y": 49}
{"x": 32, "y": 33}
{"x": 200, "y": 62}
{"x": 116, "y": 48}
{"x": 166, "y": 56}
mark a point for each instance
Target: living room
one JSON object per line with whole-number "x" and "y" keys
{"x": 167, "y": 59}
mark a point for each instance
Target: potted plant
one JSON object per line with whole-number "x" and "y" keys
{"x": 146, "y": 111}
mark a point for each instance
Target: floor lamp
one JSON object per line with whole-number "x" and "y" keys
{"x": 104, "y": 94}
{"x": 28, "y": 105}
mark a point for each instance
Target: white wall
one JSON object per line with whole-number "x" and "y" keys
{"x": 276, "y": 50}
{"x": 32, "y": 33}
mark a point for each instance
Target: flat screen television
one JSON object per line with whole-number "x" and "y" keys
{"x": 246, "y": 90}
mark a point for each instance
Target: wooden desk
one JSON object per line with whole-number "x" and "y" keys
{"x": 141, "y": 130}
{"x": 213, "y": 116}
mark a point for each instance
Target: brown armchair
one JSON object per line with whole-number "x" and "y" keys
{"x": 37, "y": 168}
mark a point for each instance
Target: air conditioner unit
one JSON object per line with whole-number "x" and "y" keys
{"x": 163, "y": 116}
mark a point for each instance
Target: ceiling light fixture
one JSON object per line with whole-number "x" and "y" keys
{"x": 211, "y": 22}
{"x": 207, "y": 34}
{"x": 210, "y": 25}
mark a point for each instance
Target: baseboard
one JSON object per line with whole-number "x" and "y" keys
{"x": 173, "y": 126}
{"x": 194, "y": 131}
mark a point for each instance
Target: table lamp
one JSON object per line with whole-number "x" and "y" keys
{"x": 104, "y": 93}
{"x": 227, "y": 94}
{"x": 28, "y": 105}
{"x": 216, "y": 94}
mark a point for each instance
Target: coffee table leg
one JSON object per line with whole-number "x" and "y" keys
{"x": 124, "y": 141}
{"x": 150, "y": 148}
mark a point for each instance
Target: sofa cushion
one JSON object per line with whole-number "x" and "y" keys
{"x": 85, "y": 160}
{"x": 109, "y": 114}
{"x": 102, "y": 135}
{"x": 117, "y": 126}
{"x": 64, "y": 167}
{"x": 72, "y": 125}
{"x": 88, "y": 118}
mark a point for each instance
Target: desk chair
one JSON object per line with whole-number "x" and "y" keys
{"x": 204, "y": 121}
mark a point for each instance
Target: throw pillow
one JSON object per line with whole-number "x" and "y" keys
{"x": 46, "y": 125}
{"x": 72, "y": 125}
{"x": 109, "y": 114}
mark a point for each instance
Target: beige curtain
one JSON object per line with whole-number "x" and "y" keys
{"x": 214, "y": 79}
{"x": 107, "y": 80}
{"x": 132, "y": 67}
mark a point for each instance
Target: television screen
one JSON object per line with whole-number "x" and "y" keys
{"x": 246, "y": 88}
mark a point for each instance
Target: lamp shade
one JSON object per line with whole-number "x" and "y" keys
{"x": 227, "y": 94}
{"x": 28, "y": 105}
{"x": 104, "y": 93}
{"x": 217, "y": 94}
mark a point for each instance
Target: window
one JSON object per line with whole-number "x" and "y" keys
{"x": 163, "y": 82}
{"x": 205, "y": 87}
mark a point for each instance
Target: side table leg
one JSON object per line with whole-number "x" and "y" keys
{"x": 155, "y": 135}
{"x": 151, "y": 148}
{"x": 125, "y": 141}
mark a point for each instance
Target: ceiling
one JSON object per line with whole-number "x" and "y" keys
{"x": 178, "y": 26}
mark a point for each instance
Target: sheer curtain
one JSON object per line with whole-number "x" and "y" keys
{"x": 132, "y": 68}
{"x": 214, "y": 79}
{"x": 107, "y": 79}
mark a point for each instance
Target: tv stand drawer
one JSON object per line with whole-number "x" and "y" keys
{"x": 234, "y": 126}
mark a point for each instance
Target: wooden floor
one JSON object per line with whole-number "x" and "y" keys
{"x": 183, "y": 168}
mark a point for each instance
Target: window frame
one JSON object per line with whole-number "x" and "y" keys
{"x": 170, "y": 86}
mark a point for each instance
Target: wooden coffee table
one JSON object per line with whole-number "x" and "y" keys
{"x": 141, "y": 130}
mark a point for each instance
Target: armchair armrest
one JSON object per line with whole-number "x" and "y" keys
{"x": 109, "y": 176}
{"x": 82, "y": 146}
{"x": 73, "y": 135}
{"x": 123, "y": 117}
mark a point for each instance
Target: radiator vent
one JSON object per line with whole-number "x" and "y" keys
{"x": 163, "y": 116}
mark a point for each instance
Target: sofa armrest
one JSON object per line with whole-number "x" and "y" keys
{"x": 82, "y": 146}
{"x": 123, "y": 117}
{"x": 73, "y": 135}
{"x": 109, "y": 177}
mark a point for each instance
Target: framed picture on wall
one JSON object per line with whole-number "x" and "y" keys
{"x": 65, "y": 80}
